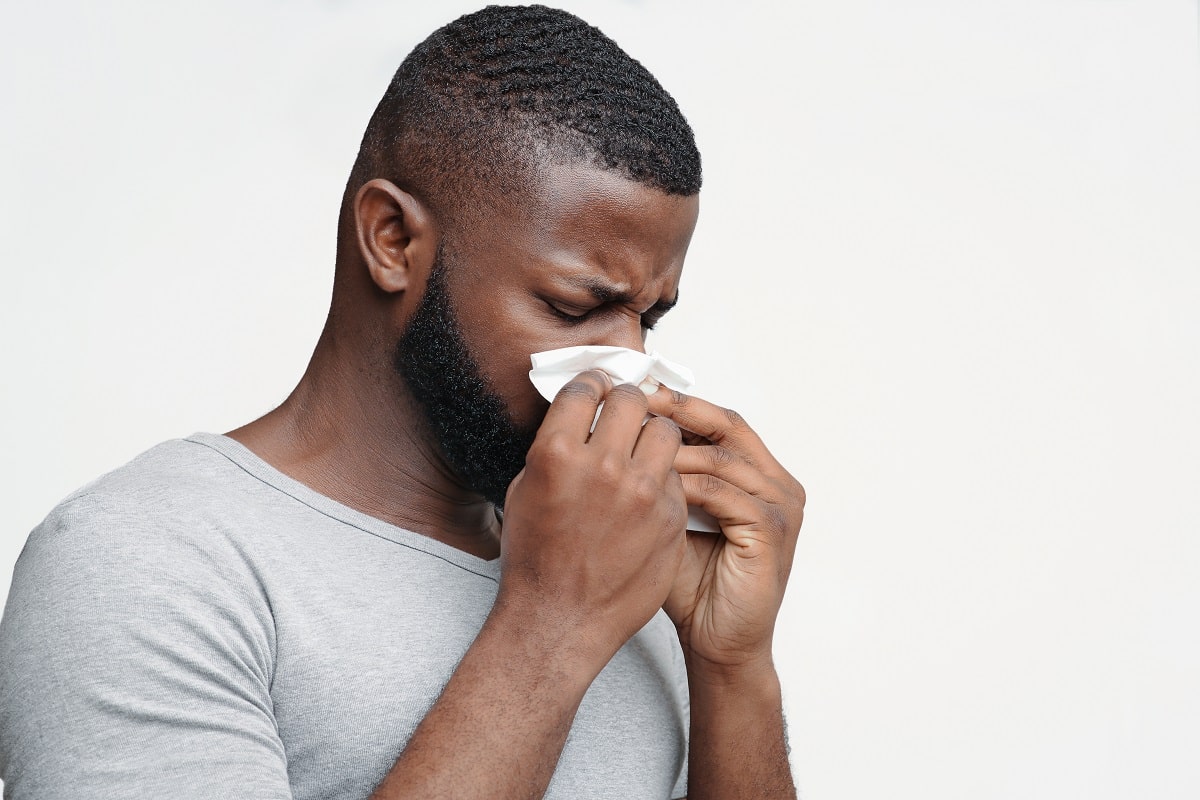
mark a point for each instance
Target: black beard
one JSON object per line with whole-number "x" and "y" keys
{"x": 469, "y": 421}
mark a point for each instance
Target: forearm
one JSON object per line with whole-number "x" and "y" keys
{"x": 500, "y": 724}
{"x": 737, "y": 748}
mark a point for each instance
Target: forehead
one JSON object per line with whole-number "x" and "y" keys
{"x": 587, "y": 225}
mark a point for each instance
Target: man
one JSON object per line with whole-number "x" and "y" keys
{"x": 416, "y": 578}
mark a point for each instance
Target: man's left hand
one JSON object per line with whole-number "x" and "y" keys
{"x": 730, "y": 585}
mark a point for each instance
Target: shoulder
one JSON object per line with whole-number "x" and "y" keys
{"x": 164, "y": 498}
{"x": 136, "y": 561}
{"x": 136, "y": 629}
{"x": 180, "y": 474}
{"x": 141, "y": 543}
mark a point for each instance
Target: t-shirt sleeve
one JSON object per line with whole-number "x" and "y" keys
{"x": 136, "y": 652}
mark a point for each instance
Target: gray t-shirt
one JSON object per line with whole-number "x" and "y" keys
{"x": 198, "y": 625}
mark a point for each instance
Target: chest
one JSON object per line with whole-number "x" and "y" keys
{"x": 359, "y": 664}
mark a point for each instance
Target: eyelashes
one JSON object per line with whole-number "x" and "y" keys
{"x": 649, "y": 319}
{"x": 570, "y": 319}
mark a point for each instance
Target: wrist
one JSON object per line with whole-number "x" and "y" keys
{"x": 753, "y": 671}
{"x": 737, "y": 745}
{"x": 545, "y": 637}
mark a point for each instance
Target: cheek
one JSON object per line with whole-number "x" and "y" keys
{"x": 509, "y": 376}
{"x": 500, "y": 342}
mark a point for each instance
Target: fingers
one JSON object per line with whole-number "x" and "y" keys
{"x": 620, "y": 421}
{"x": 720, "y": 426}
{"x": 723, "y": 463}
{"x": 618, "y": 425}
{"x": 739, "y": 513}
{"x": 731, "y": 475}
{"x": 574, "y": 408}
{"x": 658, "y": 444}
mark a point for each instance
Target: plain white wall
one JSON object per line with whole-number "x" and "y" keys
{"x": 947, "y": 263}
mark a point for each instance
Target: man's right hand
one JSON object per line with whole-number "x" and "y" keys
{"x": 594, "y": 525}
{"x": 593, "y": 537}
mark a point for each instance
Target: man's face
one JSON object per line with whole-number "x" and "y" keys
{"x": 592, "y": 258}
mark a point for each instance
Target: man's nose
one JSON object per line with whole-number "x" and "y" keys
{"x": 628, "y": 334}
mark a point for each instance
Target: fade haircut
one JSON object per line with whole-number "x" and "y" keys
{"x": 480, "y": 104}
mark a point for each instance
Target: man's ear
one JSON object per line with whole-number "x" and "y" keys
{"x": 396, "y": 235}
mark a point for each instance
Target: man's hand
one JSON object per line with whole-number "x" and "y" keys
{"x": 730, "y": 585}
{"x": 725, "y": 599}
{"x": 593, "y": 537}
{"x": 594, "y": 524}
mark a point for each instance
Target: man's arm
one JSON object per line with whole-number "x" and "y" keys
{"x": 737, "y": 746}
{"x": 592, "y": 540}
{"x": 502, "y": 720}
{"x": 726, "y": 598}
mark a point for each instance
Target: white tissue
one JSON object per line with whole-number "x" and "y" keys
{"x": 553, "y": 369}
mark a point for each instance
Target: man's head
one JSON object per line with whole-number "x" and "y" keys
{"x": 523, "y": 185}
{"x": 478, "y": 107}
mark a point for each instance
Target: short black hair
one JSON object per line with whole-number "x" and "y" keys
{"x": 485, "y": 98}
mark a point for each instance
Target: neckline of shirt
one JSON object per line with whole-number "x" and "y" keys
{"x": 250, "y": 462}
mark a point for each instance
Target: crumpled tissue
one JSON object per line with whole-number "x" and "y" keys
{"x": 553, "y": 369}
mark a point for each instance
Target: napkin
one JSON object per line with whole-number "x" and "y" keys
{"x": 553, "y": 369}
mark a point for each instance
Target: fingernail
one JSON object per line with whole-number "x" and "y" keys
{"x": 648, "y": 386}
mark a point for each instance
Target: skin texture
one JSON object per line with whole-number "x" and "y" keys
{"x": 593, "y": 540}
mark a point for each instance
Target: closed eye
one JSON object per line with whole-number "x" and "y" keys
{"x": 652, "y": 318}
{"x": 570, "y": 317}
{"x": 656, "y": 312}
{"x": 573, "y": 316}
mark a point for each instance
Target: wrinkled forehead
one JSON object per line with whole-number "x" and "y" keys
{"x": 588, "y": 226}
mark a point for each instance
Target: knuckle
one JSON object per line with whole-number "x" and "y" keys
{"x": 646, "y": 490}
{"x": 587, "y": 385}
{"x": 735, "y": 419}
{"x": 550, "y": 451}
{"x": 665, "y": 429}
{"x": 709, "y": 485}
{"x": 720, "y": 456}
{"x": 610, "y": 469}
{"x": 628, "y": 393}
{"x": 776, "y": 518}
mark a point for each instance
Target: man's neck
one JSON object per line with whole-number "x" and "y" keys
{"x": 365, "y": 445}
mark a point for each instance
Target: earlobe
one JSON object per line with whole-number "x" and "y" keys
{"x": 396, "y": 236}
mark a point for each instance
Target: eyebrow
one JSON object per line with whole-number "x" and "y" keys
{"x": 607, "y": 293}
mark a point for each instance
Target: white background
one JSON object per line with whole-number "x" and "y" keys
{"x": 947, "y": 263}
